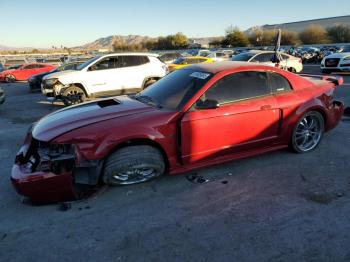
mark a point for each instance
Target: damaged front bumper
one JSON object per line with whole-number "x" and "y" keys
{"x": 47, "y": 172}
{"x": 44, "y": 172}
{"x": 43, "y": 187}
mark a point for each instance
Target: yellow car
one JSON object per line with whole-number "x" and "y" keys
{"x": 188, "y": 60}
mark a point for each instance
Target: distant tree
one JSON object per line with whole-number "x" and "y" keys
{"x": 289, "y": 38}
{"x": 177, "y": 41}
{"x": 269, "y": 37}
{"x": 314, "y": 34}
{"x": 121, "y": 46}
{"x": 256, "y": 35}
{"x": 34, "y": 51}
{"x": 235, "y": 38}
{"x": 261, "y": 37}
{"x": 215, "y": 44}
{"x": 339, "y": 33}
{"x": 180, "y": 41}
{"x": 150, "y": 44}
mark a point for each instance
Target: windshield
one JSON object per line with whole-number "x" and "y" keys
{"x": 243, "y": 57}
{"x": 88, "y": 62}
{"x": 179, "y": 60}
{"x": 175, "y": 89}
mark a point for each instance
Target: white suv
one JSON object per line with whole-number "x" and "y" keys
{"x": 107, "y": 75}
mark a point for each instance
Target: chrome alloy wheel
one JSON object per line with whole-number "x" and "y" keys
{"x": 308, "y": 132}
{"x": 136, "y": 174}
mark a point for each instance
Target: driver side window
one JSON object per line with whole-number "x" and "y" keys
{"x": 238, "y": 86}
{"x": 107, "y": 63}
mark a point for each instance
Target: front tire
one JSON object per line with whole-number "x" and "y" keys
{"x": 10, "y": 78}
{"x": 132, "y": 165}
{"x": 308, "y": 132}
{"x": 73, "y": 95}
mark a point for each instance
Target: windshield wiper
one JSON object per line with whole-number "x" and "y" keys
{"x": 147, "y": 100}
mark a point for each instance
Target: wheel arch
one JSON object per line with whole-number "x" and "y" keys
{"x": 323, "y": 113}
{"x": 149, "y": 78}
{"x": 80, "y": 85}
{"x": 141, "y": 141}
{"x": 314, "y": 105}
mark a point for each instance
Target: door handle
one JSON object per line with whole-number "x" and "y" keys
{"x": 266, "y": 107}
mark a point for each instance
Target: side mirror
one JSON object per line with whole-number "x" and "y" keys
{"x": 207, "y": 104}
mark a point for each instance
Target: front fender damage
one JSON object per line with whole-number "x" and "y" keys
{"x": 46, "y": 172}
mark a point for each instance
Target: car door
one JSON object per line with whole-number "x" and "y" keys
{"x": 26, "y": 72}
{"x": 134, "y": 69}
{"x": 41, "y": 68}
{"x": 246, "y": 118}
{"x": 103, "y": 77}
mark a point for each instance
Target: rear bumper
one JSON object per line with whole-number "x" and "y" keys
{"x": 42, "y": 187}
{"x": 334, "y": 114}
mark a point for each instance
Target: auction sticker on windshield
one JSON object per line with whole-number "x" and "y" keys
{"x": 200, "y": 75}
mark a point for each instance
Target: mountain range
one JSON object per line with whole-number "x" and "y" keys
{"x": 107, "y": 42}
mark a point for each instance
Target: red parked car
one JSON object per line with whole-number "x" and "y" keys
{"x": 24, "y": 72}
{"x": 194, "y": 117}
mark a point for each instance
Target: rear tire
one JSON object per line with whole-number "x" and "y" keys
{"x": 307, "y": 133}
{"x": 73, "y": 95}
{"x": 133, "y": 165}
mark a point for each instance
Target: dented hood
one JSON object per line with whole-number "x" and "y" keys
{"x": 74, "y": 117}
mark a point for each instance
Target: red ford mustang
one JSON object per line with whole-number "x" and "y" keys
{"x": 194, "y": 117}
{"x": 24, "y": 72}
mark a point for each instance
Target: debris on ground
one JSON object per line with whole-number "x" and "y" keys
{"x": 194, "y": 178}
{"x": 64, "y": 206}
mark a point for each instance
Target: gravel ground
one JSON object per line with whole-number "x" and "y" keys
{"x": 274, "y": 207}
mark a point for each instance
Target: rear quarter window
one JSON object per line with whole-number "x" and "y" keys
{"x": 278, "y": 83}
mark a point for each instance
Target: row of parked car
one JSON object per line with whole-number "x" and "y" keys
{"x": 125, "y": 73}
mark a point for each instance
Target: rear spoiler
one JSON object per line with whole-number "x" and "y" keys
{"x": 336, "y": 80}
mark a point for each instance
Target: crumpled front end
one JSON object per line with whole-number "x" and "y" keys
{"x": 43, "y": 171}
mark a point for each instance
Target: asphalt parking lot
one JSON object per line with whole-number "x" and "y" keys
{"x": 275, "y": 207}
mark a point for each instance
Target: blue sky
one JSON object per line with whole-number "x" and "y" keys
{"x": 34, "y": 23}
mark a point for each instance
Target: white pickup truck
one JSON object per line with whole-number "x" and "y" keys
{"x": 107, "y": 75}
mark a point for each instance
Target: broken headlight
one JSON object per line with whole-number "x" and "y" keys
{"x": 50, "y": 82}
{"x": 56, "y": 158}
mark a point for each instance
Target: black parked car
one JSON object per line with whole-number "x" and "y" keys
{"x": 2, "y": 96}
{"x": 35, "y": 80}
